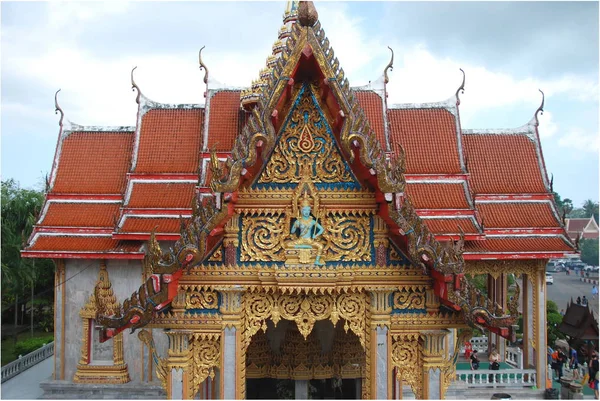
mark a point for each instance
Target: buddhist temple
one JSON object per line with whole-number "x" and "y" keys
{"x": 298, "y": 230}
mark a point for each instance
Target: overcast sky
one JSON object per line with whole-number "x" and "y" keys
{"x": 508, "y": 50}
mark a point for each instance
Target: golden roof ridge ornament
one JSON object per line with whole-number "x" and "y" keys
{"x": 461, "y": 88}
{"x": 202, "y": 65}
{"x": 134, "y": 87}
{"x": 539, "y": 109}
{"x": 57, "y": 109}
{"x": 307, "y": 14}
{"x": 390, "y": 66}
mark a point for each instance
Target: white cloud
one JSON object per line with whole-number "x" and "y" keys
{"x": 548, "y": 127}
{"x": 580, "y": 140}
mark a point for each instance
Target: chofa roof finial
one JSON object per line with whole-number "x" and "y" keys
{"x": 134, "y": 87}
{"x": 202, "y": 65}
{"x": 461, "y": 88}
{"x": 57, "y": 109}
{"x": 540, "y": 109}
{"x": 307, "y": 13}
{"x": 390, "y": 66}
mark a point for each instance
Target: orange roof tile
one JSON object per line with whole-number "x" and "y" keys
{"x": 372, "y": 104}
{"x": 437, "y": 195}
{"x": 161, "y": 195}
{"x": 93, "y": 163}
{"x": 224, "y": 122}
{"x": 135, "y": 224}
{"x": 518, "y": 244}
{"x": 450, "y": 225}
{"x": 429, "y": 138}
{"x": 577, "y": 225}
{"x": 170, "y": 141}
{"x": 517, "y": 215}
{"x": 74, "y": 243}
{"x": 80, "y": 214}
{"x": 503, "y": 164}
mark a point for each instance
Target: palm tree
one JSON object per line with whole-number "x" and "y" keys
{"x": 590, "y": 209}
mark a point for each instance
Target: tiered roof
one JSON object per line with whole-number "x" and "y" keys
{"x": 121, "y": 184}
{"x": 582, "y": 228}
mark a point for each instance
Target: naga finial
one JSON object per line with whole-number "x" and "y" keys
{"x": 540, "y": 109}
{"x": 134, "y": 86}
{"x": 552, "y": 182}
{"x": 57, "y": 109}
{"x": 307, "y": 13}
{"x": 461, "y": 88}
{"x": 202, "y": 65}
{"x": 390, "y": 66}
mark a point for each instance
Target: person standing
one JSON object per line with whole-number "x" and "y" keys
{"x": 578, "y": 301}
{"x": 594, "y": 369}
{"x": 494, "y": 362}
{"x": 594, "y": 292}
{"x": 574, "y": 363}
{"x": 474, "y": 360}
{"x": 560, "y": 361}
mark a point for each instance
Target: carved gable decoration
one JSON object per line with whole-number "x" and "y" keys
{"x": 306, "y": 142}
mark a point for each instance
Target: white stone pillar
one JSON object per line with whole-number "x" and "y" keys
{"x": 541, "y": 341}
{"x": 382, "y": 364}
{"x": 228, "y": 367}
{"x": 176, "y": 384}
{"x": 301, "y": 389}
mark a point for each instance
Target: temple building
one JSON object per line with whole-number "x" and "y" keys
{"x": 298, "y": 231}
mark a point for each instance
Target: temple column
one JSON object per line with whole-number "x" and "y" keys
{"x": 301, "y": 389}
{"x": 59, "y": 319}
{"x": 528, "y": 330}
{"x": 380, "y": 241}
{"x": 539, "y": 308}
{"x": 177, "y": 364}
{"x": 231, "y": 241}
{"x": 381, "y": 379}
{"x": 433, "y": 363}
{"x": 233, "y": 371}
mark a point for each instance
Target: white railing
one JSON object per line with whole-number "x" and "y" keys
{"x": 25, "y": 362}
{"x": 514, "y": 357}
{"x": 498, "y": 378}
{"x": 478, "y": 343}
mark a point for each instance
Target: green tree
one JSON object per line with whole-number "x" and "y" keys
{"x": 590, "y": 208}
{"x": 568, "y": 206}
{"x": 553, "y": 319}
{"x": 20, "y": 208}
{"x": 589, "y": 251}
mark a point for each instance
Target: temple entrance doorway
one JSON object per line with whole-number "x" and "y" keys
{"x": 281, "y": 364}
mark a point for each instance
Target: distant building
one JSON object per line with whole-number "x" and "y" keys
{"x": 582, "y": 228}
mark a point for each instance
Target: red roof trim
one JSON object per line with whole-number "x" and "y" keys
{"x": 68, "y": 197}
{"x": 139, "y": 177}
{"x": 524, "y": 231}
{"x": 72, "y": 230}
{"x": 514, "y": 255}
{"x": 513, "y": 197}
{"x": 145, "y": 236}
{"x": 456, "y": 237}
{"x": 445, "y": 212}
{"x": 82, "y": 255}
{"x": 166, "y": 213}
{"x": 443, "y": 177}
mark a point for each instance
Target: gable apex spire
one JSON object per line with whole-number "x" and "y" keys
{"x": 307, "y": 13}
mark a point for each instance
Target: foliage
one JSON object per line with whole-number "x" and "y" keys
{"x": 20, "y": 208}
{"x": 590, "y": 208}
{"x": 8, "y": 345}
{"x": 553, "y": 319}
{"x": 31, "y": 344}
{"x": 589, "y": 251}
{"x": 480, "y": 282}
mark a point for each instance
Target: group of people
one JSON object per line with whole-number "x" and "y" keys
{"x": 493, "y": 358}
{"x": 558, "y": 358}
{"x": 582, "y": 301}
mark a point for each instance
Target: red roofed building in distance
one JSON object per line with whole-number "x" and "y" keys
{"x": 582, "y": 228}
{"x": 293, "y": 230}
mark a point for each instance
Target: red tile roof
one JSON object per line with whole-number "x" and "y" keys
{"x": 429, "y": 138}
{"x": 503, "y": 164}
{"x": 75, "y": 243}
{"x": 372, "y": 104}
{"x": 450, "y": 225}
{"x": 80, "y": 214}
{"x": 135, "y": 224}
{"x": 517, "y": 215}
{"x": 93, "y": 163}
{"x": 518, "y": 244}
{"x": 437, "y": 195}
{"x": 577, "y": 225}
{"x": 170, "y": 141}
{"x": 161, "y": 195}
{"x": 224, "y": 122}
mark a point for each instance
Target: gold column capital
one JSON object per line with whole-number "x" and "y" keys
{"x": 433, "y": 348}
{"x": 381, "y": 306}
{"x": 231, "y": 305}
{"x": 179, "y": 348}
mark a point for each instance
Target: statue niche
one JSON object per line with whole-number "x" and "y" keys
{"x": 305, "y": 247}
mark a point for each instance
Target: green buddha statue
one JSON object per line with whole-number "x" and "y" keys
{"x": 308, "y": 230}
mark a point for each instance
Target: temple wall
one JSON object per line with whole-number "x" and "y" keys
{"x": 81, "y": 276}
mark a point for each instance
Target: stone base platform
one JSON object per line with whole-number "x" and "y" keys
{"x": 65, "y": 390}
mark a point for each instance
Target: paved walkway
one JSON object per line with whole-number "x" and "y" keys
{"x": 26, "y": 386}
